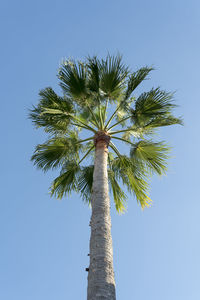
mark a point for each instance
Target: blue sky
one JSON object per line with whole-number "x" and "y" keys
{"x": 44, "y": 242}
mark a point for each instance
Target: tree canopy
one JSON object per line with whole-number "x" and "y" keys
{"x": 98, "y": 98}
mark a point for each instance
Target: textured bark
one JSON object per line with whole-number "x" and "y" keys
{"x": 101, "y": 283}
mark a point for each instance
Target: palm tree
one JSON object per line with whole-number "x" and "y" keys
{"x": 97, "y": 108}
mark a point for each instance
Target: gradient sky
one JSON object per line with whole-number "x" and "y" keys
{"x": 44, "y": 242}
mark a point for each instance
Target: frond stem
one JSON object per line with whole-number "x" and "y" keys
{"x": 82, "y": 126}
{"x": 107, "y": 124}
{"x": 94, "y": 124}
{"x": 95, "y": 119}
{"x": 123, "y": 140}
{"x": 86, "y": 154}
{"x": 85, "y": 140}
{"x": 119, "y": 131}
{"x": 100, "y": 117}
{"x": 114, "y": 114}
{"x": 105, "y": 109}
{"x": 79, "y": 121}
{"x": 119, "y": 122}
{"x": 115, "y": 149}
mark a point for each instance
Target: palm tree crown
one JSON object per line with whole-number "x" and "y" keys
{"x": 98, "y": 103}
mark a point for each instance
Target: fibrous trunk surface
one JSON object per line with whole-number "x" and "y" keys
{"x": 101, "y": 283}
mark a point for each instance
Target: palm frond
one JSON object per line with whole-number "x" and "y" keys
{"x": 135, "y": 79}
{"x": 73, "y": 80}
{"x": 52, "y": 112}
{"x": 85, "y": 181}
{"x": 118, "y": 194}
{"x": 161, "y": 121}
{"x": 153, "y": 155}
{"x": 67, "y": 181}
{"x": 133, "y": 176}
{"x": 93, "y": 83}
{"x": 140, "y": 188}
{"x": 112, "y": 76}
{"x": 152, "y": 104}
{"x": 55, "y": 152}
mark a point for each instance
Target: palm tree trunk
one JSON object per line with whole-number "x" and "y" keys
{"x": 101, "y": 282}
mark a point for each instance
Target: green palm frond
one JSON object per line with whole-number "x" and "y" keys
{"x": 53, "y": 112}
{"x": 51, "y": 124}
{"x": 139, "y": 187}
{"x": 161, "y": 121}
{"x": 146, "y": 129}
{"x": 153, "y": 155}
{"x": 152, "y": 104}
{"x": 133, "y": 176}
{"x": 73, "y": 80}
{"x": 67, "y": 181}
{"x": 55, "y": 152}
{"x": 135, "y": 79}
{"x": 93, "y": 83}
{"x": 85, "y": 181}
{"x": 118, "y": 194}
{"x": 49, "y": 99}
{"x": 112, "y": 77}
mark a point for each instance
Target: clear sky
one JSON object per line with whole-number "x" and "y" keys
{"x": 44, "y": 242}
